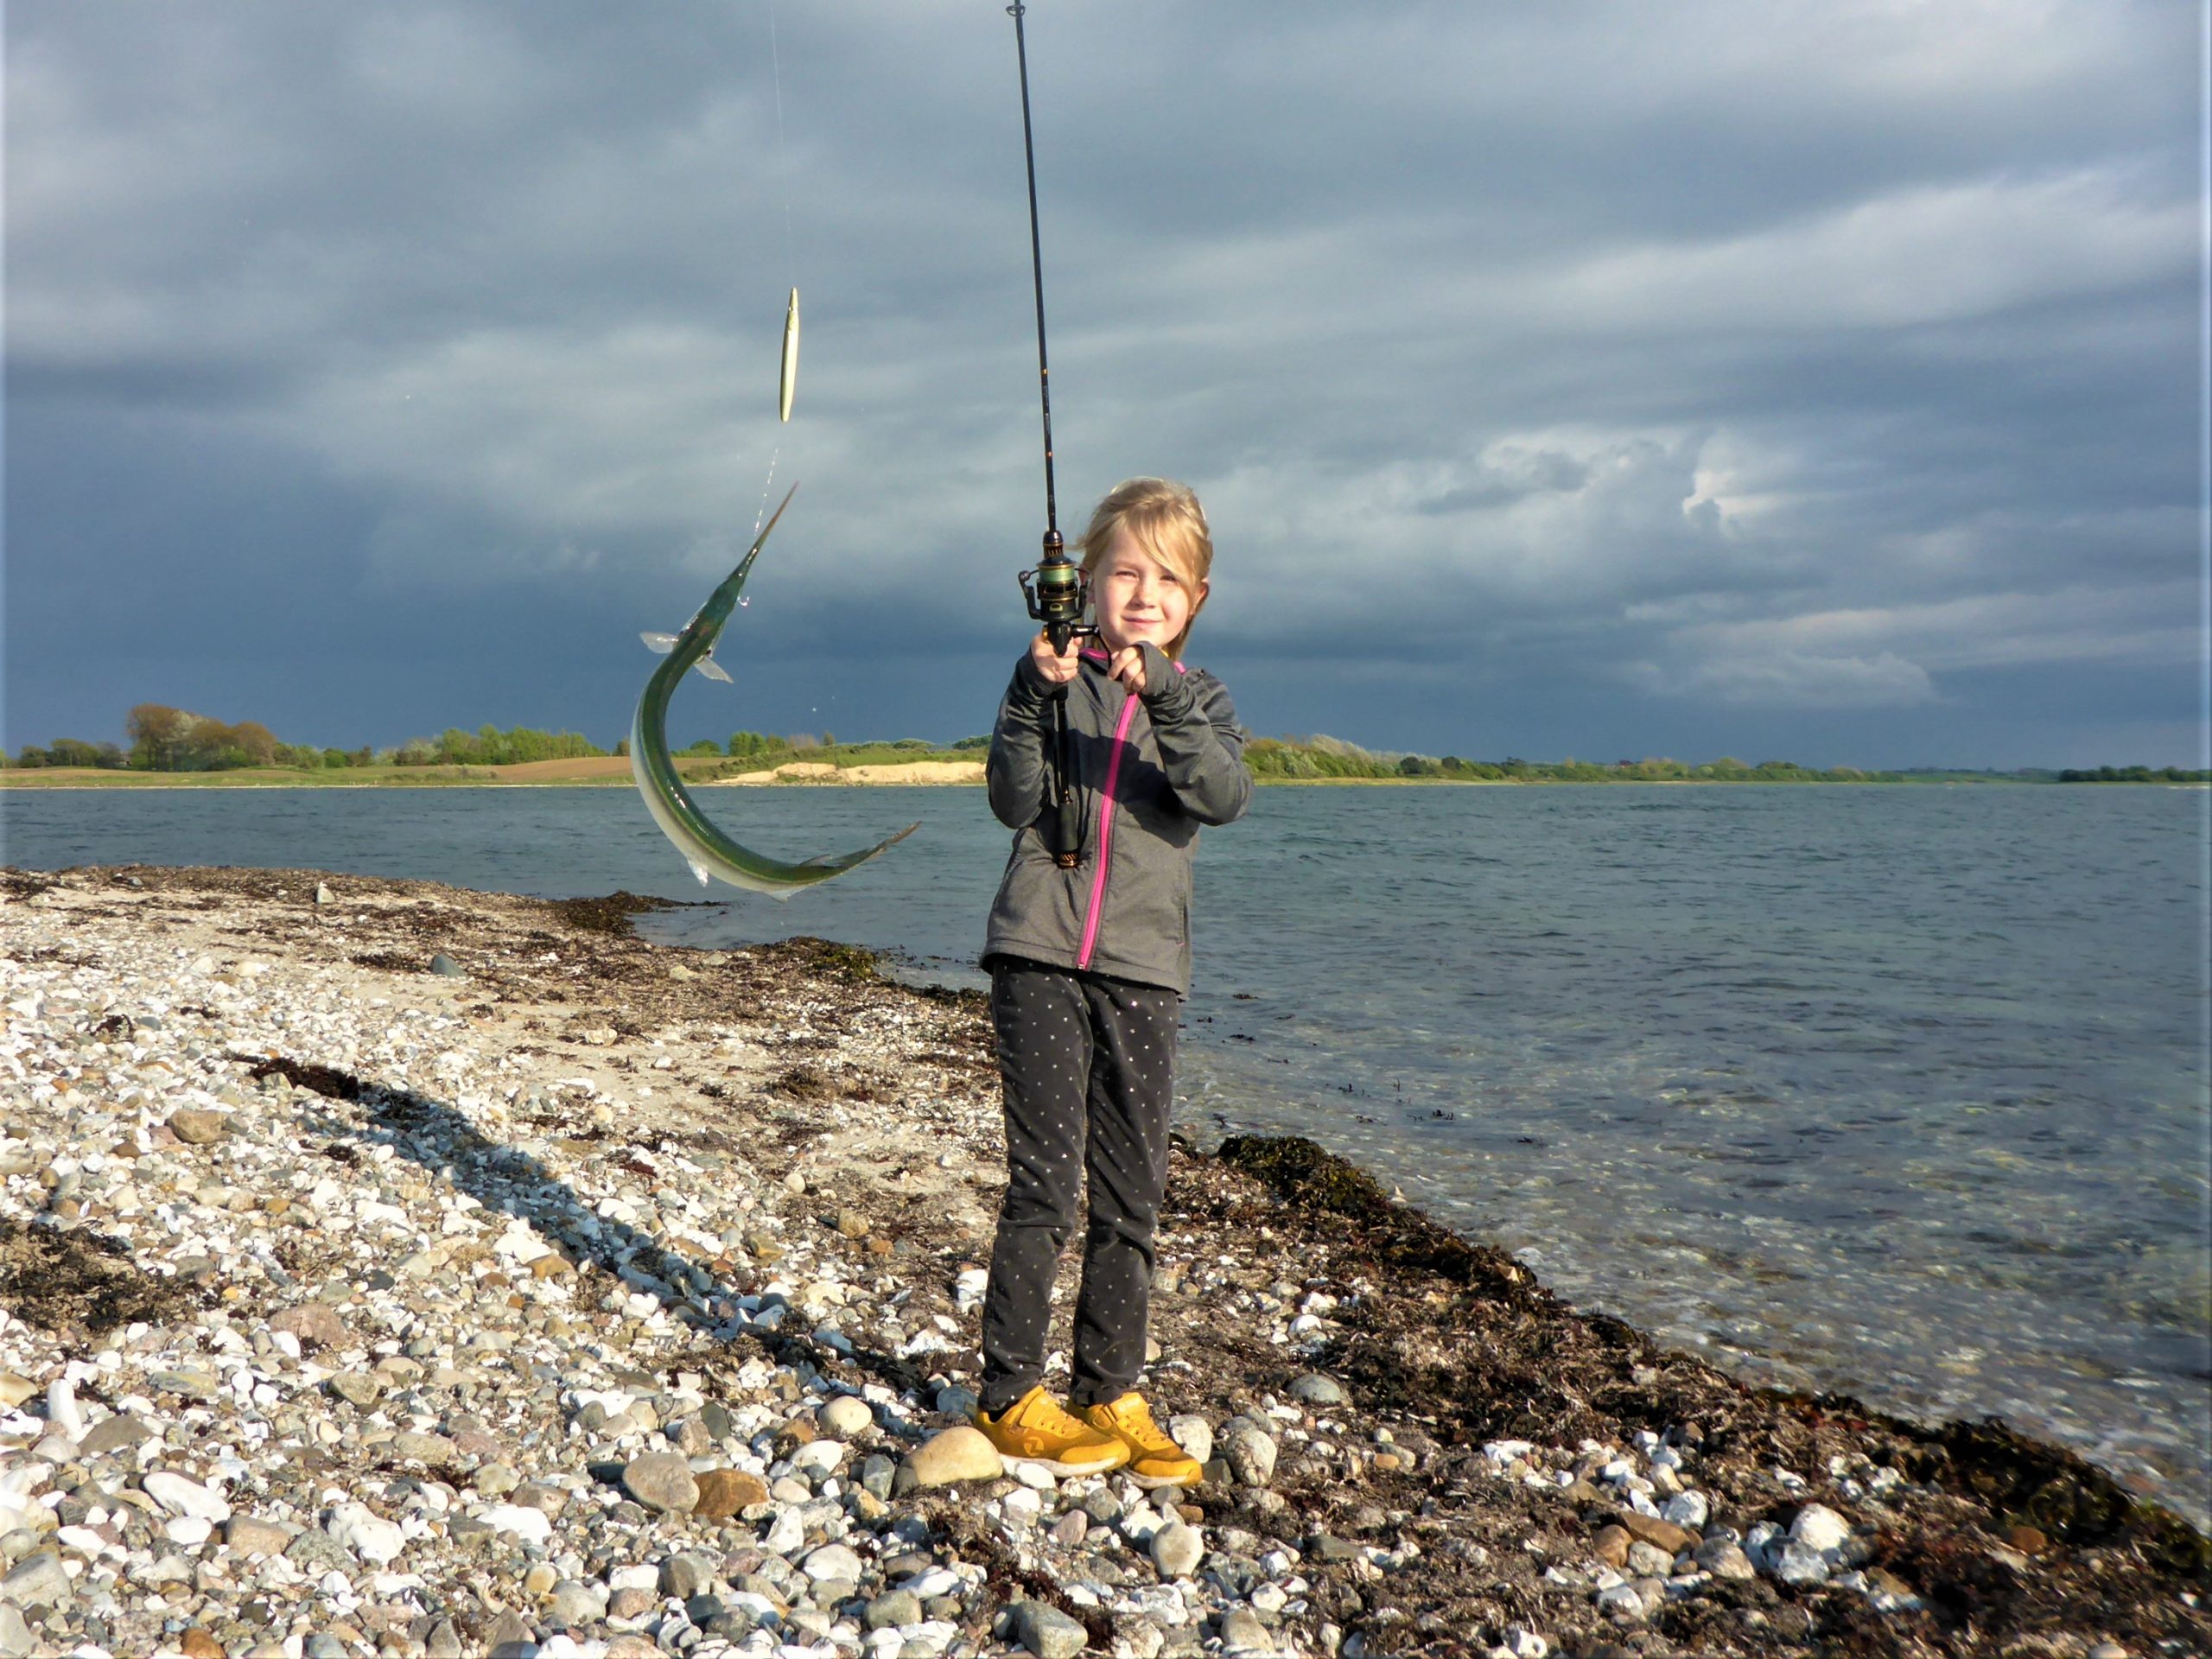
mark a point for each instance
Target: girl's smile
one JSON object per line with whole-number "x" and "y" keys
{"x": 1138, "y": 600}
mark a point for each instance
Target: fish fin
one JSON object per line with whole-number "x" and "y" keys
{"x": 711, "y": 669}
{"x": 699, "y": 869}
{"x": 659, "y": 644}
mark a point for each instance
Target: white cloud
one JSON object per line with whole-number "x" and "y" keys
{"x": 1926, "y": 255}
{"x": 1889, "y": 656}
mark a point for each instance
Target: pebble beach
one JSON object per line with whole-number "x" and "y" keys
{"x": 390, "y": 1268}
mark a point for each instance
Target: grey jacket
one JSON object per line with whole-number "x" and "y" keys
{"x": 1148, "y": 771}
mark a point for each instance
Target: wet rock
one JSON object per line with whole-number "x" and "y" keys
{"x": 663, "y": 1481}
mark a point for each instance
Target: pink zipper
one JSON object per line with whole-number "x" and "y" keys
{"x": 1105, "y": 831}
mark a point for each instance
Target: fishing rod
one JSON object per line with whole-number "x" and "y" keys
{"x": 1057, "y": 591}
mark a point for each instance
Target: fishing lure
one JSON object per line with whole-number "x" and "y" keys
{"x": 705, "y": 849}
{"x": 789, "y": 384}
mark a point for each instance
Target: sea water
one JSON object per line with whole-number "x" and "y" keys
{"x": 1896, "y": 1090}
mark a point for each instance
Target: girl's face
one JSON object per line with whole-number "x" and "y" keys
{"x": 1138, "y": 600}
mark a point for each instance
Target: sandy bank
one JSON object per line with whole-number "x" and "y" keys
{"x": 608, "y": 1296}
{"x": 821, "y": 771}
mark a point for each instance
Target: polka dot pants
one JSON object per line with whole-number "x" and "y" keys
{"x": 1088, "y": 1064}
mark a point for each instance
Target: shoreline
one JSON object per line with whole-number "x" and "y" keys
{"x": 596, "y": 1150}
{"x": 844, "y": 777}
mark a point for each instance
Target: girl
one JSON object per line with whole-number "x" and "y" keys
{"x": 1089, "y": 967}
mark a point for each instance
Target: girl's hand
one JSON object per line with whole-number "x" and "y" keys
{"x": 1129, "y": 668}
{"x": 1059, "y": 669}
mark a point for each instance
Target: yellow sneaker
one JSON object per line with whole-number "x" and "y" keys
{"x": 1155, "y": 1460}
{"x": 1035, "y": 1429}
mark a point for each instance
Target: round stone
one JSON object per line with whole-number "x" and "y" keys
{"x": 955, "y": 1454}
{"x": 1194, "y": 1435}
{"x": 1250, "y": 1453}
{"x": 1315, "y": 1390}
{"x": 1176, "y": 1550}
{"x": 832, "y": 1562}
{"x": 181, "y": 1496}
{"x": 1819, "y": 1528}
{"x": 663, "y": 1481}
{"x": 846, "y": 1415}
{"x": 369, "y": 1536}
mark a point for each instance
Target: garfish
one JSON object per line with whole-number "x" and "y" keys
{"x": 790, "y": 358}
{"x": 705, "y": 849}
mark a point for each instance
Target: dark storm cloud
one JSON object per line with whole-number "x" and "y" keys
{"x": 1582, "y": 378}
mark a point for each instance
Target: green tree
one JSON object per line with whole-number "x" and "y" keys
{"x": 74, "y": 751}
{"x": 157, "y": 734}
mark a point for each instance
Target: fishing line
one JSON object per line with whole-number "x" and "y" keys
{"x": 791, "y": 254}
{"x": 783, "y": 164}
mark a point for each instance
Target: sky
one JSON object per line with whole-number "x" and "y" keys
{"x": 1814, "y": 381}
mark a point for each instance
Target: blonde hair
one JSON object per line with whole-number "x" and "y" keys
{"x": 1165, "y": 519}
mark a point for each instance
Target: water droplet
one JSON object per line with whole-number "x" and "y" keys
{"x": 744, "y": 600}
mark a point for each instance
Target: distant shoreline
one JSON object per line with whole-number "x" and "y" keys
{"x": 939, "y": 772}
{"x": 819, "y": 774}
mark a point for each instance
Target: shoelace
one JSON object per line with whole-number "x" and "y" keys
{"x": 1137, "y": 1423}
{"x": 1057, "y": 1421}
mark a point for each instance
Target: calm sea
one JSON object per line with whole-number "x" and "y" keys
{"x": 1896, "y": 1090}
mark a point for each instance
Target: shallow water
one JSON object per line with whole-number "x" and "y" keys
{"x": 1900, "y": 1091}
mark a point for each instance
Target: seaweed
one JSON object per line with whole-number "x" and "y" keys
{"x": 72, "y": 1280}
{"x": 610, "y": 913}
